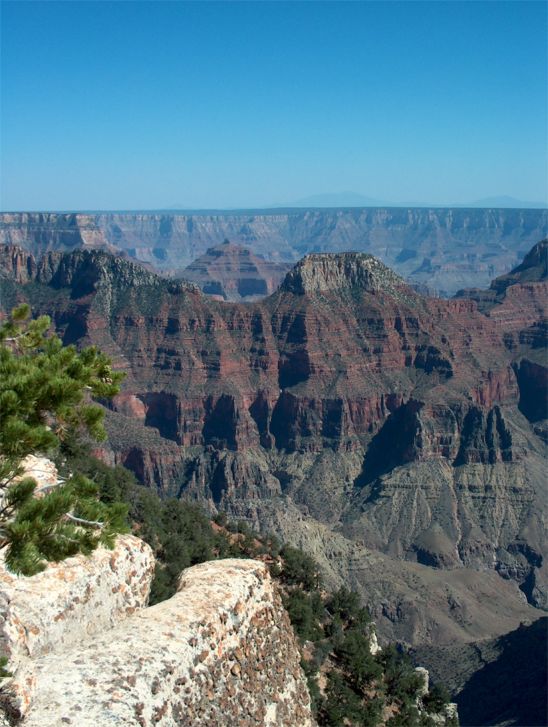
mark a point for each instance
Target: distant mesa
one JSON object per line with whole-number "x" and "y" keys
{"x": 325, "y": 272}
{"x": 506, "y": 202}
{"x": 233, "y": 273}
{"x": 353, "y": 199}
{"x": 444, "y": 249}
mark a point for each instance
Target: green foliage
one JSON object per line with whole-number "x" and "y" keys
{"x": 45, "y": 393}
{"x": 305, "y": 612}
{"x": 299, "y": 569}
{"x": 437, "y": 698}
{"x": 44, "y": 387}
{"x": 4, "y": 673}
{"x": 355, "y": 656}
{"x": 407, "y": 716}
{"x": 402, "y": 682}
{"x": 310, "y": 671}
{"x": 221, "y": 519}
{"x": 68, "y": 520}
{"x": 345, "y": 605}
{"x": 184, "y": 538}
{"x": 345, "y": 706}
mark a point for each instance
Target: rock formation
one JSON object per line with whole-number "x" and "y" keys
{"x": 233, "y": 272}
{"x": 385, "y": 431}
{"x": 85, "y": 651}
{"x": 446, "y": 249}
{"x": 68, "y": 603}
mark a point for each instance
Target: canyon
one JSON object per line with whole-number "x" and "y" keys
{"x": 400, "y": 439}
{"x": 444, "y": 249}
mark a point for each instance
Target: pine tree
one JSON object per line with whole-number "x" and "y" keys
{"x": 46, "y": 392}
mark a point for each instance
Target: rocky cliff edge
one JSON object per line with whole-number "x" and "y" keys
{"x": 85, "y": 651}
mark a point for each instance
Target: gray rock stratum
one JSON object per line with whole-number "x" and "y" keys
{"x": 86, "y": 652}
{"x": 446, "y": 249}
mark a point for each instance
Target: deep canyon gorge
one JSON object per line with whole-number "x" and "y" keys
{"x": 398, "y": 438}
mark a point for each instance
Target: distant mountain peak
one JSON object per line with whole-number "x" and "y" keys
{"x": 324, "y": 272}
{"x": 340, "y": 199}
{"x": 233, "y": 272}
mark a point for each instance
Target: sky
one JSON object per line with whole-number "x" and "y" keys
{"x": 150, "y": 105}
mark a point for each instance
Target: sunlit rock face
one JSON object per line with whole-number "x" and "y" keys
{"x": 74, "y": 599}
{"x": 66, "y": 605}
{"x": 221, "y": 650}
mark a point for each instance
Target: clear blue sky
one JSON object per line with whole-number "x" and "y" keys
{"x": 131, "y": 105}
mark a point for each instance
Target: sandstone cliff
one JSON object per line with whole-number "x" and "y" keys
{"x": 446, "y": 249}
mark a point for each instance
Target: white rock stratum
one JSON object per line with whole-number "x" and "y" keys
{"x": 85, "y": 651}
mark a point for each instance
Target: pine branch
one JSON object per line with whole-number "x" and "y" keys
{"x": 82, "y": 521}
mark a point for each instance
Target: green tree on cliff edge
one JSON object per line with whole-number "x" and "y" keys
{"x": 45, "y": 393}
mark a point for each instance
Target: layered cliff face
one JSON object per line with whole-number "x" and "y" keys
{"x": 361, "y": 420}
{"x": 446, "y": 249}
{"x": 222, "y": 649}
{"x": 233, "y": 272}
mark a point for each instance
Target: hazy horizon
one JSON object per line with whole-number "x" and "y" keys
{"x": 197, "y": 106}
{"x": 491, "y": 203}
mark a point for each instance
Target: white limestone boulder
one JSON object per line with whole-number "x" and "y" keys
{"x": 65, "y": 606}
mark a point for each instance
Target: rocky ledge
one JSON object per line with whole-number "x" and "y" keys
{"x": 221, "y": 650}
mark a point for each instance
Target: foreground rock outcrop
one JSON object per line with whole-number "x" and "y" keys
{"x": 73, "y": 600}
{"x": 66, "y": 605}
{"x": 220, "y": 651}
